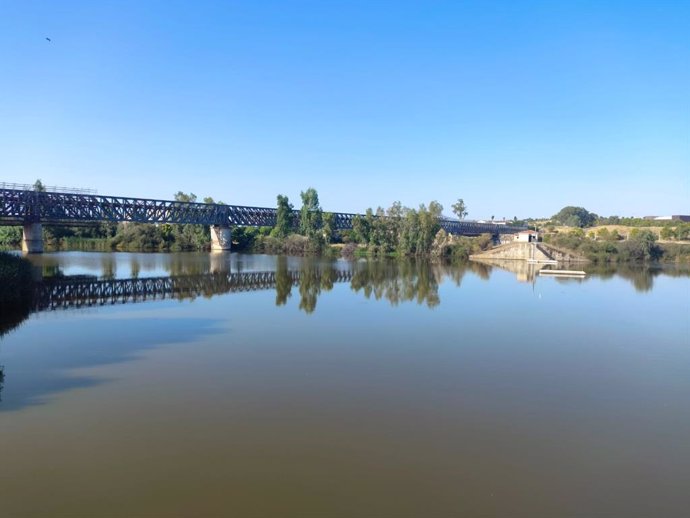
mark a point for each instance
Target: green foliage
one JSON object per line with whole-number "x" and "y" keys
{"x": 683, "y": 232}
{"x": 668, "y": 233}
{"x": 38, "y": 186}
{"x": 283, "y": 217}
{"x": 243, "y": 238}
{"x": 10, "y": 237}
{"x": 641, "y": 246}
{"x": 328, "y": 228}
{"x": 460, "y": 209}
{"x": 459, "y": 248}
{"x": 604, "y": 234}
{"x": 398, "y": 230}
{"x": 575, "y": 217}
{"x": 310, "y": 214}
{"x": 184, "y": 197}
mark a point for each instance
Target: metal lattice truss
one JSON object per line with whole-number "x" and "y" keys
{"x": 56, "y": 207}
{"x": 81, "y": 292}
{"x": 23, "y": 206}
{"x": 472, "y": 228}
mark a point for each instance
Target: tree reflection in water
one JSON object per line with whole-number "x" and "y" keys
{"x": 283, "y": 281}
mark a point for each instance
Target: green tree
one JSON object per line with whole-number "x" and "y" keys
{"x": 459, "y": 208}
{"x": 38, "y": 186}
{"x": 409, "y": 233}
{"x": 641, "y": 246}
{"x": 328, "y": 228}
{"x": 361, "y": 227}
{"x": 428, "y": 226}
{"x": 311, "y": 214}
{"x": 667, "y": 233}
{"x": 190, "y": 237}
{"x": 184, "y": 197}
{"x": 683, "y": 232}
{"x": 575, "y": 217}
{"x": 283, "y": 217}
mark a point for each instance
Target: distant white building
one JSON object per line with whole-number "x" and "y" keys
{"x": 526, "y": 236}
{"x": 675, "y": 217}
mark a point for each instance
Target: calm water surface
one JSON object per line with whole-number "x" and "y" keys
{"x": 231, "y": 385}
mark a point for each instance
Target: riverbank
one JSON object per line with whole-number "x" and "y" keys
{"x": 639, "y": 247}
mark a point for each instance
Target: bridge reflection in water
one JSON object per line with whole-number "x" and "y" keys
{"x": 395, "y": 281}
{"x": 81, "y": 292}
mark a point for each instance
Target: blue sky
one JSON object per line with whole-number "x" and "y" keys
{"x": 520, "y": 108}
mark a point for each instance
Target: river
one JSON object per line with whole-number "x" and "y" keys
{"x": 177, "y": 385}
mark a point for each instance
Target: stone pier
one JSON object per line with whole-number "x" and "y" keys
{"x": 221, "y": 238}
{"x": 32, "y": 240}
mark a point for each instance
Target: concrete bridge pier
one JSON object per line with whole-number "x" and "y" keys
{"x": 32, "y": 240}
{"x": 221, "y": 238}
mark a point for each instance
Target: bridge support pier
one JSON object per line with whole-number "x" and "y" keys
{"x": 221, "y": 238}
{"x": 32, "y": 240}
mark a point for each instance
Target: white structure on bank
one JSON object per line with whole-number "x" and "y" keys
{"x": 526, "y": 236}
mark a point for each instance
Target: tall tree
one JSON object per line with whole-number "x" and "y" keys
{"x": 38, "y": 186}
{"x": 459, "y": 208}
{"x": 283, "y": 217}
{"x": 311, "y": 214}
{"x": 328, "y": 228}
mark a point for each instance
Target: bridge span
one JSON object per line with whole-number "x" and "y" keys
{"x": 31, "y": 209}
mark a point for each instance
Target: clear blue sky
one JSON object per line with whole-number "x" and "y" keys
{"x": 520, "y": 108}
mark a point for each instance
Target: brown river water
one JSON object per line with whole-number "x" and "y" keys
{"x": 180, "y": 385}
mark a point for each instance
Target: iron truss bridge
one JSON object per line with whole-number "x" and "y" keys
{"x": 83, "y": 292}
{"x": 18, "y": 207}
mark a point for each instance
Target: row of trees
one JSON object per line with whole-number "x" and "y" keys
{"x": 398, "y": 230}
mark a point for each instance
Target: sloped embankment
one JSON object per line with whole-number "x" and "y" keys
{"x": 526, "y": 251}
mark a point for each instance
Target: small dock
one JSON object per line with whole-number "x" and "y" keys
{"x": 563, "y": 273}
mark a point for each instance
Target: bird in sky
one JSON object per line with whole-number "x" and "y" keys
{"x": 48, "y": 39}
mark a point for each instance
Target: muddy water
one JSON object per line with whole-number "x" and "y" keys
{"x": 195, "y": 385}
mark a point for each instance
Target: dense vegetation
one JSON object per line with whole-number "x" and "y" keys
{"x": 604, "y": 246}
